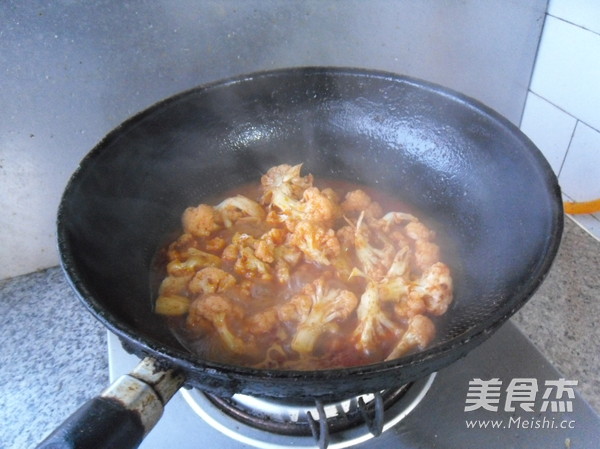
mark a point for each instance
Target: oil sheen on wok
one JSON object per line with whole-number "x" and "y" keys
{"x": 299, "y": 273}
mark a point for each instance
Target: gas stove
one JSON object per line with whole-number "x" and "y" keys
{"x": 504, "y": 394}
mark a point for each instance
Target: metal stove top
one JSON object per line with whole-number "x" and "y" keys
{"x": 504, "y": 394}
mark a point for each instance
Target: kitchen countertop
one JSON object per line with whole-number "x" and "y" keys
{"x": 54, "y": 352}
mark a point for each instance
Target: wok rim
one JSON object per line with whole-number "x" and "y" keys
{"x": 445, "y": 352}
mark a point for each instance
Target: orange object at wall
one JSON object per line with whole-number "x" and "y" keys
{"x": 588, "y": 207}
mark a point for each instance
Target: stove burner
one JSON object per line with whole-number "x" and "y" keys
{"x": 270, "y": 423}
{"x": 287, "y": 418}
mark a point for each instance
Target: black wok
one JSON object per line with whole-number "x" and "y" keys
{"x": 482, "y": 184}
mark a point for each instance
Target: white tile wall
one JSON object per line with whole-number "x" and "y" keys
{"x": 567, "y": 69}
{"x": 584, "y": 13}
{"x": 562, "y": 112}
{"x": 580, "y": 174}
{"x": 541, "y": 116}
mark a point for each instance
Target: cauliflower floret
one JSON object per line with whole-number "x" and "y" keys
{"x": 238, "y": 240}
{"x": 395, "y": 285}
{"x": 405, "y": 229}
{"x": 211, "y": 280}
{"x": 314, "y": 207}
{"x": 180, "y": 247}
{"x": 400, "y": 265}
{"x": 219, "y": 310}
{"x": 297, "y": 308}
{"x": 375, "y": 262}
{"x": 343, "y": 266}
{"x": 418, "y": 231}
{"x": 389, "y": 220}
{"x": 332, "y": 195}
{"x": 374, "y": 211}
{"x": 262, "y": 322}
{"x": 418, "y": 335}
{"x": 246, "y": 263}
{"x": 373, "y": 323}
{"x": 399, "y": 238}
{"x": 212, "y": 305}
{"x": 282, "y": 271}
{"x": 236, "y": 207}
{"x": 174, "y": 285}
{"x": 250, "y": 266}
{"x": 269, "y": 247}
{"x": 172, "y": 305}
{"x": 286, "y": 258}
{"x": 343, "y": 262}
{"x": 426, "y": 254}
{"x": 200, "y": 221}
{"x": 296, "y": 199}
{"x": 328, "y": 307}
{"x": 318, "y": 243}
{"x": 277, "y": 236}
{"x": 319, "y": 207}
{"x": 292, "y": 311}
{"x": 264, "y": 249}
{"x": 274, "y": 219}
{"x": 194, "y": 260}
{"x": 409, "y": 306}
{"x": 356, "y": 201}
{"x": 285, "y": 179}
{"x": 216, "y": 244}
{"x": 345, "y": 235}
{"x": 434, "y": 288}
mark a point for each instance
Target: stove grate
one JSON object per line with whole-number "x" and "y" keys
{"x": 322, "y": 420}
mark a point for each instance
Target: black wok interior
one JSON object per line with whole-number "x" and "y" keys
{"x": 481, "y": 183}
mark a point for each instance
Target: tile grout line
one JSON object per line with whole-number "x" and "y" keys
{"x": 562, "y": 164}
{"x": 563, "y": 110}
{"x": 573, "y": 23}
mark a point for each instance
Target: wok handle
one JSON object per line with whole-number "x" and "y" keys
{"x": 123, "y": 414}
